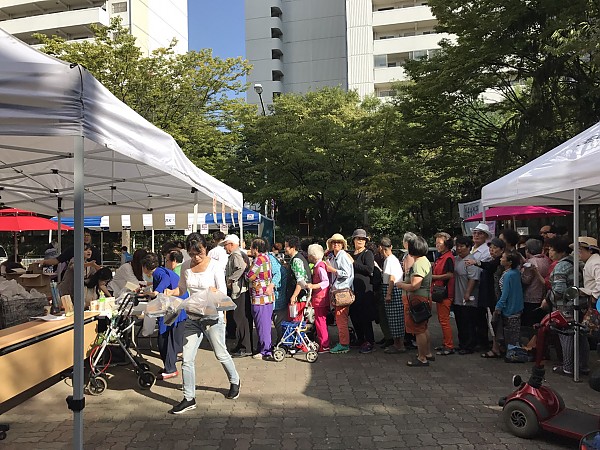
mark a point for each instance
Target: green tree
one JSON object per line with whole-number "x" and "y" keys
{"x": 192, "y": 96}
{"x": 313, "y": 153}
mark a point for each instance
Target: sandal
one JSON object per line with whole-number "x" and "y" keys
{"x": 490, "y": 354}
{"x": 430, "y": 358}
{"x": 417, "y": 363}
{"x": 445, "y": 351}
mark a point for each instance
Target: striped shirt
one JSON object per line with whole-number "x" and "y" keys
{"x": 260, "y": 277}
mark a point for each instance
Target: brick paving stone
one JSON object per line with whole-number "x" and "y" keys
{"x": 340, "y": 402}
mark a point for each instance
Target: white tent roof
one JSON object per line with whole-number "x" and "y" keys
{"x": 551, "y": 178}
{"x": 130, "y": 165}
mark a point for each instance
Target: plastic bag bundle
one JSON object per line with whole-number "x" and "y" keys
{"x": 162, "y": 306}
{"x": 207, "y": 304}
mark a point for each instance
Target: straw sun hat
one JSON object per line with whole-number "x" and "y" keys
{"x": 337, "y": 237}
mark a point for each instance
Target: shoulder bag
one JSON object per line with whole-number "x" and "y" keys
{"x": 419, "y": 311}
{"x": 341, "y": 297}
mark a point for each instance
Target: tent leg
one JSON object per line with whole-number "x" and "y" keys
{"x": 576, "y": 337}
{"x": 76, "y": 402}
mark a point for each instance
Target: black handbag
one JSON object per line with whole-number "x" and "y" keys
{"x": 439, "y": 293}
{"x": 419, "y": 311}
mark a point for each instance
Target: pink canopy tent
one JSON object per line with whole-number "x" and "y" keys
{"x": 518, "y": 213}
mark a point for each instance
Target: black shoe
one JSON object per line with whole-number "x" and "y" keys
{"x": 387, "y": 343}
{"x": 380, "y": 341}
{"x": 241, "y": 354}
{"x": 185, "y": 405}
{"x": 234, "y": 391}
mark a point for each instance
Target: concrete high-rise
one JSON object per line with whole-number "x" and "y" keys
{"x": 299, "y": 45}
{"x": 153, "y": 22}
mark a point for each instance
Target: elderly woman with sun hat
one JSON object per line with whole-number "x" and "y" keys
{"x": 341, "y": 276}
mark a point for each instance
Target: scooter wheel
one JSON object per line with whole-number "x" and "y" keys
{"x": 520, "y": 419}
{"x": 595, "y": 380}
{"x": 97, "y": 385}
{"x": 312, "y": 356}
{"x": 146, "y": 380}
{"x": 279, "y": 354}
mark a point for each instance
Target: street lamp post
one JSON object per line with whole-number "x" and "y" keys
{"x": 259, "y": 90}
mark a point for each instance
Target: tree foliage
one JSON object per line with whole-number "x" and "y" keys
{"x": 312, "y": 153}
{"x": 191, "y": 96}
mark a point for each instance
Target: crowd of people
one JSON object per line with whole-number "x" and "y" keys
{"x": 503, "y": 284}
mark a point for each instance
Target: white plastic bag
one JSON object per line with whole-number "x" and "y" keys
{"x": 148, "y": 326}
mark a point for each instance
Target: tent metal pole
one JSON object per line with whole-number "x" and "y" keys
{"x": 76, "y": 402}
{"x": 152, "y": 239}
{"x": 59, "y": 223}
{"x": 241, "y": 214}
{"x": 195, "y": 221}
{"x": 101, "y": 247}
{"x": 576, "y": 336}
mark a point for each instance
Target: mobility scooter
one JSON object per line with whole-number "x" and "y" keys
{"x": 534, "y": 406}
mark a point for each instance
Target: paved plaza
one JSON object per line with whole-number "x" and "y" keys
{"x": 347, "y": 401}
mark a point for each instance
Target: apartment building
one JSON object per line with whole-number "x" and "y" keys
{"x": 153, "y": 22}
{"x": 298, "y": 45}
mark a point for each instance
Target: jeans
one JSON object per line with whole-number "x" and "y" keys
{"x": 169, "y": 344}
{"x": 193, "y": 334}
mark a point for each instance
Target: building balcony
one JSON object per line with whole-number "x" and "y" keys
{"x": 15, "y": 9}
{"x": 408, "y": 44}
{"x": 277, "y": 43}
{"x": 388, "y": 74}
{"x": 277, "y": 65}
{"x": 67, "y": 24}
{"x": 393, "y": 17}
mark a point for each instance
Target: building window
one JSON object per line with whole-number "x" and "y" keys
{"x": 276, "y": 53}
{"x": 276, "y": 11}
{"x": 276, "y": 95}
{"x": 119, "y": 7}
{"x": 387, "y": 8}
{"x": 277, "y": 75}
{"x": 276, "y": 33}
{"x": 380, "y": 60}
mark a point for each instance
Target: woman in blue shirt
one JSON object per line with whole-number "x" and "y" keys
{"x": 510, "y": 304}
{"x": 170, "y": 338}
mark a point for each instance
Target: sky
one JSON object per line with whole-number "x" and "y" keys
{"x": 217, "y": 24}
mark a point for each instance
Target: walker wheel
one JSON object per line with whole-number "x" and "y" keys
{"x": 314, "y": 346}
{"x": 146, "y": 380}
{"x": 312, "y": 356}
{"x": 97, "y": 385}
{"x": 279, "y": 354}
{"x": 2, "y": 435}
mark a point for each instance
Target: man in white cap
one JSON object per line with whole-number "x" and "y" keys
{"x": 237, "y": 289}
{"x": 480, "y": 251}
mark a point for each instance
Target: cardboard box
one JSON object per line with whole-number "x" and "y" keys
{"x": 13, "y": 276}
{"x": 33, "y": 280}
{"x": 35, "y": 267}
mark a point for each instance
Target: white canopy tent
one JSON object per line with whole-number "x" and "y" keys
{"x": 64, "y": 136}
{"x": 551, "y": 178}
{"x": 567, "y": 174}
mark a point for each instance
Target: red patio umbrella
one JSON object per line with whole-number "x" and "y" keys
{"x": 518, "y": 212}
{"x": 16, "y": 220}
